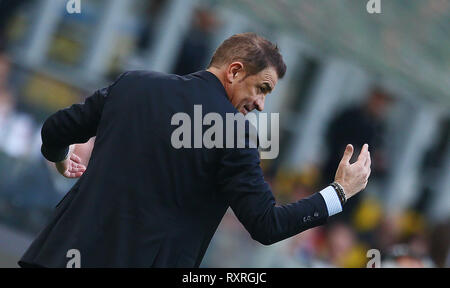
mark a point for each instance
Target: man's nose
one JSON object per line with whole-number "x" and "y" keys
{"x": 259, "y": 103}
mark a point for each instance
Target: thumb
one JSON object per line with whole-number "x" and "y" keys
{"x": 347, "y": 154}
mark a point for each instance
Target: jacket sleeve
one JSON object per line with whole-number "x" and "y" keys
{"x": 76, "y": 124}
{"x": 251, "y": 199}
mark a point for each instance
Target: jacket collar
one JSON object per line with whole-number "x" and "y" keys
{"x": 211, "y": 78}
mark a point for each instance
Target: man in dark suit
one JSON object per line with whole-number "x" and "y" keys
{"x": 141, "y": 202}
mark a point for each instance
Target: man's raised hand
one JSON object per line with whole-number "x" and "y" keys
{"x": 353, "y": 177}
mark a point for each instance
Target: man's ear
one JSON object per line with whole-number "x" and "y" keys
{"x": 235, "y": 71}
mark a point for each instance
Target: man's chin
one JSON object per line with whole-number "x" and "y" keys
{"x": 244, "y": 111}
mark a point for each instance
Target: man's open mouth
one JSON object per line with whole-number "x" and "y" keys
{"x": 245, "y": 110}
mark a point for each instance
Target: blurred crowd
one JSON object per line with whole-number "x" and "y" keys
{"x": 30, "y": 186}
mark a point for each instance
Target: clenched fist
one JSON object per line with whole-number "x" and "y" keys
{"x": 353, "y": 177}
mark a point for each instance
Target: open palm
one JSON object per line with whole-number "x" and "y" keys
{"x": 72, "y": 167}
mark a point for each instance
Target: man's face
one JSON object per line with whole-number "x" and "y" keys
{"x": 248, "y": 93}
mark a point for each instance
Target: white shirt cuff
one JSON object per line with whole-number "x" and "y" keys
{"x": 331, "y": 200}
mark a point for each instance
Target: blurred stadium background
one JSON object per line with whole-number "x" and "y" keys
{"x": 352, "y": 77}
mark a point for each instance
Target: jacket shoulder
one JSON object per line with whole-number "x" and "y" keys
{"x": 149, "y": 75}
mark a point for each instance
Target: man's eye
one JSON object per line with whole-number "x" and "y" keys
{"x": 263, "y": 90}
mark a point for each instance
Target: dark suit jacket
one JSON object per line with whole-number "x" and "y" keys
{"x": 143, "y": 203}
